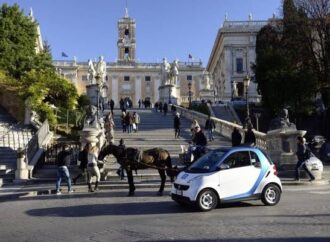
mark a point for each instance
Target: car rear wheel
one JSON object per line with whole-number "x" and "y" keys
{"x": 207, "y": 200}
{"x": 271, "y": 195}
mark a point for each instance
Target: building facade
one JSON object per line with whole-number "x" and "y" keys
{"x": 128, "y": 79}
{"x": 232, "y": 58}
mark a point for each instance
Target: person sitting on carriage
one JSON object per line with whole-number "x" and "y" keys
{"x": 200, "y": 142}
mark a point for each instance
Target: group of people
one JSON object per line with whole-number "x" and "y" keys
{"x": 161, "y": 107}
{"x": 89, "y": 166}
{"x": 130, "y": 122}
{"x": 146, "y": 103}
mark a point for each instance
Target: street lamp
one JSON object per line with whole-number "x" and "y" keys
{"x": 246, "y": 82}
{"x": 189, "y": 93}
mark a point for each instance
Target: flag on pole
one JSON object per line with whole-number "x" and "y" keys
{"x": 64, "y": 55}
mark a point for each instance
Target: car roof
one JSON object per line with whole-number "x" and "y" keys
{"x": 237, "y": 148}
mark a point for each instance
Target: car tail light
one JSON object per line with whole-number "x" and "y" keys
{"x": 275, "y": 170}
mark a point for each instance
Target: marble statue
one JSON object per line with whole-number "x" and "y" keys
{"x": 234, "y": 89}
{"x": 165, "y": 72}
{"x": 91, "y": 72}
{"x": 174, "y": 72}
{"x": 101, "y": 70}
{"x": 91, "y": 119}
{"x": 207, "y": 84}
{"x": 282, "y": 121}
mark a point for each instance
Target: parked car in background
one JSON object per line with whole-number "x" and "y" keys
{"x": 325, "y": 152}
{"x": 227, "y": 175}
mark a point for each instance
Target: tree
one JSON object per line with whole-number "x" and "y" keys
{"x": 17, "y": 42}
{"x": 318, "y": 40}
{"x": 283, "y": 64}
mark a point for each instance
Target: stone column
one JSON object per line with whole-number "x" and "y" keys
{"x": 137, "y": 89}
{"x": 114, "y": 92}
{"x": 22, "y": 172}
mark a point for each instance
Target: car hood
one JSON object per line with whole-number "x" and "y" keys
{"x": 184, "y": 177}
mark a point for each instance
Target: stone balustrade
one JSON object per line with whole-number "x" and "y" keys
{"x": 223, "y": 127}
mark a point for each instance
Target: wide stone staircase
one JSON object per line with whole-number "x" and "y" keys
{"x": 225, "y": 112}
{"x": 13, "y": 135}
{"x": 155, "y": 130}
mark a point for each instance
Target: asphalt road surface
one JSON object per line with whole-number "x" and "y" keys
{"x": 303, "y": 214}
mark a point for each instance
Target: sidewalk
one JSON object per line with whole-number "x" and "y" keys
{"x": 31, "y": 189}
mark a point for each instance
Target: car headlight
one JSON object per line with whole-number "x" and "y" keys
{"x": 194, "y": 179}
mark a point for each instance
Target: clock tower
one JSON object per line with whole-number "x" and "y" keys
{"x": 126, "y": 38}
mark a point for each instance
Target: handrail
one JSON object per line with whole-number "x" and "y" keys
{"x": 36, "y": 141}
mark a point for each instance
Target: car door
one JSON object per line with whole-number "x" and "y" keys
{"x": 239, "y": 177}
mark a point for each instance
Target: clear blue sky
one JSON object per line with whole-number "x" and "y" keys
{"x": 164, "y": 28}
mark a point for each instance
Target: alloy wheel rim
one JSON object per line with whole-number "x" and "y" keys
{"x": 207, "y": 200}
{"x": 271, "y": 195}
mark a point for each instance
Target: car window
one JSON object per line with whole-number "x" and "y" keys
{"x": 206, "y": 163}
{"x": 238, "y": 159}
{"x": 255, "y": 159}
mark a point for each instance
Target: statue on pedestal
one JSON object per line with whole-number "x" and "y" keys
{"x": 234, "y": 89}
{"x": 101, "y": 71}
{"x": 282, "y": 121}
{"x": 207, "y": 84}
{"x": 91, "y": 120}
{"x": 91, "y": 72}
{"x": 174, "y": 72}
{"x": 165, "y": 72}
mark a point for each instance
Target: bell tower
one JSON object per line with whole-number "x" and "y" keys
{"x": 126, "y": 38}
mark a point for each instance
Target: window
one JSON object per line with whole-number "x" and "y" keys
{"x": 189, "y": 78}
{"x": 147, "y": 78}
{"x": 238, "y": 159}
{"x": 84, "y": 77}
{"x": 255, "y": 159}
{"x": 126, "y": 78}
{"x": 239, "y": 65}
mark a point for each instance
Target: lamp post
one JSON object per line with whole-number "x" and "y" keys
{"x": 189, "y": 93}
{"x": 246, "y": 82}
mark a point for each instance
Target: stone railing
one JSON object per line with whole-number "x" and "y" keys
{"x": 223, "y": 127}
{"x": 37, "y": 141}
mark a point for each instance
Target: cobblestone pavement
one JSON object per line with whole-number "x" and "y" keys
{"x": 303, "y": 214}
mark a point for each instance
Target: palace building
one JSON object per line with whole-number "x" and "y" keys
{"x": 128, "y": 79}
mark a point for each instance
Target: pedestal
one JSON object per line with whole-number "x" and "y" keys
{"x": 93, "y": 91}
{"x": 169, "y": 93}
{"x": 206, "y": 94}
{"x": 94, "y": 136}
{"x": 21, "y": 173}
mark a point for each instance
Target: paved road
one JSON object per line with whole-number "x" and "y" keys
{"x": 303, "y": 214}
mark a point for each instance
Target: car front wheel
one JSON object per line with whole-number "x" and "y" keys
{"x": 207, "y": 200}
{"x": 271, "y": 195}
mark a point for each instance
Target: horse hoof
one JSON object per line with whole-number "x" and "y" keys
{"x": 159, "y": 193}
{"x": 130, "y": 194}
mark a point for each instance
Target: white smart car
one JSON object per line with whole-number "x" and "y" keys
{"x": 226, "y": 175}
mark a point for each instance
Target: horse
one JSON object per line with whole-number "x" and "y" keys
{"x": 133, "y": 159}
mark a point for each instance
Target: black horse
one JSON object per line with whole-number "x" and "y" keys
{"x": 132, "y": 159}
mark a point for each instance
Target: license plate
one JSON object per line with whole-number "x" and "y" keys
{"x": 179, "y": 192}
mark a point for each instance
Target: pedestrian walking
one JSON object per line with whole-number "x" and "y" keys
{"x": 129, "y": 122}
{"x": 249, "y": 137}
{"x": 121, "y": 104}
{"x": 177, "y": 126}
{"x": 123, "y": 121}
{"x": 83, "y": 158}
{"x": 165, "y": 108}
{"x": 156, "y": 106}
{"x": 139, "y": 102}
{"x": 236, "y": 137}
{"x": 112, "y": 105}
{"x": 136, "y": 121}
{"x": 92, "y": 167}
{"x": 210, "y": 127}
{"x": 160, "y": 104}
{"x": 63, "y": 162}
{"x": 303, "y": 153}
{"x": 109, "y": 126}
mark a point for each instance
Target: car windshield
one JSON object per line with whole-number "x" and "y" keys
{"x": 207, "y": 163}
